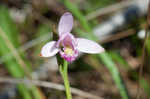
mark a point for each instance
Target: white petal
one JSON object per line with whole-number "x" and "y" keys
{"x": 49, "y": 49}
{"x": 88, "y": 46}
{"x": 65, "y": 23}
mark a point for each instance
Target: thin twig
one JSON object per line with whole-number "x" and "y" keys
{"x": 118, "y": 36}
{"x": 48, "y": 85}
{"x": 143, "y": 52}
{"x": 109, "y": 9}
{"x": 141, "y": 67}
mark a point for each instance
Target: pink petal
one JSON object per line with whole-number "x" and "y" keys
{"x": 49, "y": 49}
{"x": 66, "y": 40}
{"x": 69, "y": 40}
{"x": 88, "y": 46}
{"x": 65, "y": 23}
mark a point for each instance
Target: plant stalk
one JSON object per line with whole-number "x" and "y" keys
{"x": 64, "y": 72}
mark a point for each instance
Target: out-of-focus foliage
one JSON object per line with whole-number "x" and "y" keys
{"x": 8, "y": 27}
{"x": 115, "y": 72}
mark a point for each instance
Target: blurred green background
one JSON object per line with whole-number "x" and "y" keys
{"x": 26, "y": 25}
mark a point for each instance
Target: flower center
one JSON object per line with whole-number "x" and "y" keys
{"x": 69, "y": 51}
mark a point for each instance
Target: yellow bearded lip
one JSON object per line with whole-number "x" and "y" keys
{"x": 68, "y": 51}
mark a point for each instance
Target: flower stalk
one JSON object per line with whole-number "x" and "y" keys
{"x": 64, "y": 72}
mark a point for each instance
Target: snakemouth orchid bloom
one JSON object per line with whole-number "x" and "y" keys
{"x": 67, "y": 45}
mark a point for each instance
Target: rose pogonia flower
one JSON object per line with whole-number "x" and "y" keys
{"x": 67, "y": 45}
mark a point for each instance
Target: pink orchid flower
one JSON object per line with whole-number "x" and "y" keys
{"x": 68, "y": 46}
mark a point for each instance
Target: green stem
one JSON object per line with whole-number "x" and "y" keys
{"x": 64, "y": 73}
